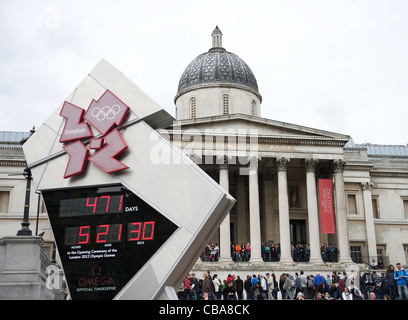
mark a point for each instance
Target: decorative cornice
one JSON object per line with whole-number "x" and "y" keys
{"x": 389, "y": 174}
{"x": 13, "y": 163}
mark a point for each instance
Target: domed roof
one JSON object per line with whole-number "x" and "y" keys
{"x": 217, "y": 67}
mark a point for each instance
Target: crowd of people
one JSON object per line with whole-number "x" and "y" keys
{"x": 390, "y": 285}
{"x": 270, "y": 252}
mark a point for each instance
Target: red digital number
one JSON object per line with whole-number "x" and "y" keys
{"x": 148, "y": 230}
{"x": 107, "y": 202}
{"x": 120, "y": 232}
{"x": 120, "y": 204}
{"x": 86, "y": 235}
{"x": 92, "y": 204}
{"x": 136, "y": 231}
{"x": 102, "y": 233}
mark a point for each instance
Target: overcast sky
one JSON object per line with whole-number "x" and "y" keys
{"x": 336, "y": 65}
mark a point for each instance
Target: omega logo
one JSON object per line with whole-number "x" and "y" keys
{"x": 96, "y": 280}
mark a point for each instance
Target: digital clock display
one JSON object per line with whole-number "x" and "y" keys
{"x": 104, "y": 235}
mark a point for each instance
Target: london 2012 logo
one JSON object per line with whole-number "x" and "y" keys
{"x": 105, "y": 115}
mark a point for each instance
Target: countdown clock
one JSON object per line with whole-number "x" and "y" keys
{"x": 102, "y": 229}
{"x": 129, "y": 211}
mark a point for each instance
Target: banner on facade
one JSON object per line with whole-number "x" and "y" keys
{"x": 326, "y": 206}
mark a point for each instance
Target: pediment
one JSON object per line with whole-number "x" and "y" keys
{"x": 264, "y": 128}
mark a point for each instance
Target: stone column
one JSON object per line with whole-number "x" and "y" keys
{"x": 312, "y": 211}
{"x": 225, "y": 233}
{"x": 341, "y": 213}
{"x": 369, "y": 221}
{"x": 284, "y": 228}
{"x": 241, "y": 209}
{"x": 268, "y": 205}
{"x": 254, "y": 219}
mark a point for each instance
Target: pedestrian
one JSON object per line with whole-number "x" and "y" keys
{"x": 355, "y": 291}
{"x": 206, "y": 285}
{"x": 298, "y": 284}
{"x": 217, "y": 287}
{"x": 271, "y": 286}
{"x": 309, "y": 287}
{"x": 264, "y": 285}
{"x": 229, "y": 291}
{"x": 275, "y": 287}
{"x": 318, "y": 283}
{"x": 243, "y": 252}
{"x": 247, "y": 252}
{"x": 237, "y": 252}
{"x": 401, "y": 277}
{"x": 247, "y": 287}
{"x": 193, "y": 292}
{"x": 239, "y": 287}
{"x": 254, "y": 280}
{"x": 187, "y": 287}
{"x": 384, "y": 284}
{"x": 206, "y": 296}
{"x": 207, "y": 253}
{"x": 257, "y": 293}
{"x": 377, "y": 286}
{"x": 368, "y": 282}
{"x": 392, "y": 291}
{"x": 346, "y": 295}
{"x": 300, "y": 296}
{"x": 303, "y": 282}
{"x": 334, "y": 291}
{"x": 287, "y": 287}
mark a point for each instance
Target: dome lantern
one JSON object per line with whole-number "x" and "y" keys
{"x": 217, "y": 38}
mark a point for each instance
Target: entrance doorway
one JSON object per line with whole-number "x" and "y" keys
{"x": 298, "y": 231}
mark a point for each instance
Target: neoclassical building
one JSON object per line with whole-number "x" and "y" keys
{"x": 271, "y": 168}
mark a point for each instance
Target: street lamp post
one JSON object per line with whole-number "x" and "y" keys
{"x": 25, "y": 230}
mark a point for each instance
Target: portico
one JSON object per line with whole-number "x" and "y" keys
{"x": 274, "y": 180}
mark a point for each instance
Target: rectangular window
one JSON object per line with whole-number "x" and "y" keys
{"x": 405, "y": 208}
{"x": 351, "y": 204}
{"x": 193, "y": 108}
{"x": 225, "y": 102}
{"x": 4, "y": 201}
{"x": 375, "y": 208}
{"x": 355, "y": 254}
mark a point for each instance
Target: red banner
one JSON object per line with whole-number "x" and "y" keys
{"x": 326, "y": 206}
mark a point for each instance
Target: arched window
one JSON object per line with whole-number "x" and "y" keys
{"x": 193, "y": 108}
{"x": 253, "y": 107}
{"x": 225, "y": 104}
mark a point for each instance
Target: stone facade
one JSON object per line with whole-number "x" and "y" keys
{"x": 272, "y": 169}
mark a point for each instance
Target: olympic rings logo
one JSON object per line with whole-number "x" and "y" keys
{"x": 106, "y": 112}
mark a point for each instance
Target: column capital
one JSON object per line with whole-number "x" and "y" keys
{"x": 282, "y": 164}
{"x": 310, "y": 165}
{"x": 253, "y": 162}
{"x": 367, "y": 186}
{"x": 338, "y": 166}
{"x": 222, "y": 161}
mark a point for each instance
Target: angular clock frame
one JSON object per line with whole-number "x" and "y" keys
{"x": 180, "y": 191}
